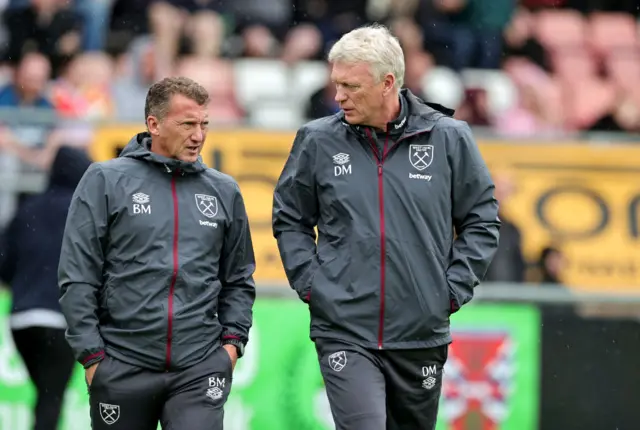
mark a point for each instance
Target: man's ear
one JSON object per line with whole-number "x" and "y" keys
{"x": 153, "y": 125}
{"x": 389, "y": 83}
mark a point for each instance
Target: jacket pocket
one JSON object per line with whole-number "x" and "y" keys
{"x": 457, "y": 295}
{"x": 417, "y": 294}
{"x": 97, "y": 374}
{"x": 328, "y": 280}
{"x": 315, "y": 276}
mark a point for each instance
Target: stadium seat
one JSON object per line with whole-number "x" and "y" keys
{"x": 307, "y": 77}
{"x": 612, "y": 31}
{"x": 560, "y": 28}
{"x": 587, "y": 100}
{"x": 573, "y": 63}
{"x": 443, "y": 85}
{"x": 258, "y": 80}
{"x": 276, "y": 115}
{"x": 624, "y": 69}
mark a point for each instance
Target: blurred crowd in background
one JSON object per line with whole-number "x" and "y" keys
{"x": 550, "y": 66}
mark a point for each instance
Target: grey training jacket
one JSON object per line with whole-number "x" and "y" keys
{"x": 387, "y": 270}
{"x": 157, "y": 261}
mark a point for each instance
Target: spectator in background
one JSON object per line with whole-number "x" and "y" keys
{"x": 263, "y": 25}
{"x": 129, "y": 88}
{"x": 519, "y": 41}
{"x": 333, "y": 18}
{"x": 29, "y": 84}
{"x": 471, "y": 30}
{"x": 475, "y": 107}
{"x": 29, "y": 254}
{"x": 44, "y": 26}
{"x": 302, "y": 42}
{"x": 322, "y": 102}
{"x": 24, "y": 139}
{"x": 552, "y": 263}
{"x": 216, "y": 76}
{"x": 128, "y": 20}
{"x": 95, "y": 16}
{"x": 508, "y": 265}
{"x": 84, "y": 90}
{"x": 199, "y": 20}
{"x": 417, "y": 66}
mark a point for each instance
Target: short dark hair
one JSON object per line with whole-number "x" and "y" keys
{"x": 160, "y": 93}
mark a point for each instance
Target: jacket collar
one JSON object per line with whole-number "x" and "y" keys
{"x": 139, "y": 148}
{"x": 416, "y": 116}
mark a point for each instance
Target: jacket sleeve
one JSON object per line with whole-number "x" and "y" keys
{"x": 237, "y": 265}
{"x": 81, "y": 263}
{"x": 475, "y": 216}
{"x": 295, "y": 215}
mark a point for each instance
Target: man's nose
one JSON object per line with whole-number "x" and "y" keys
{"x": 198, "y": 135}
{"x": 340, "y": 96}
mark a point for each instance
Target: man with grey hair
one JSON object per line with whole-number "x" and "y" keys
{"x": 407, "y": 225}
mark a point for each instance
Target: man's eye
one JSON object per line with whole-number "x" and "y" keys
{"x": 187, "y": 125}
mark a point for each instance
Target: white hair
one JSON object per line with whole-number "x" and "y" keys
{"x": 375, "y": 46}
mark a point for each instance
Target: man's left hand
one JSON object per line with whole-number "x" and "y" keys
{"x": 233, "y": 355}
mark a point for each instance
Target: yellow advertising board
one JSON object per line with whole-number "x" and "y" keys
{"x": 583, "y": 197}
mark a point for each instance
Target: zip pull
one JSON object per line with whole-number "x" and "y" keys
{"x": 379, "y": 169}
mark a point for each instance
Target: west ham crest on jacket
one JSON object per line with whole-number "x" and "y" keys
{"x": 420, "y": 156}
{"x": 207, "y": 205}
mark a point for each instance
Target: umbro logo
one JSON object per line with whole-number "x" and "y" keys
{"x": 140, "y": 198}
{"x": 341, "y": 158}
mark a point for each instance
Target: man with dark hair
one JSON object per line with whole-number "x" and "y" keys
{"x": 156, "y": 274}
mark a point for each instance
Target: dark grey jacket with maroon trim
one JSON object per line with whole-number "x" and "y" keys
{"x": 407, "y": 225}
{"x": 157, "y": 263}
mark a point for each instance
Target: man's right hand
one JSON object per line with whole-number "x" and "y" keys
{"x": 90, "y": 371}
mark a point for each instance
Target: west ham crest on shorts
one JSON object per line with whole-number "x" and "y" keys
{"x": 109, "y": 413}
{"x": 338, "y": 360}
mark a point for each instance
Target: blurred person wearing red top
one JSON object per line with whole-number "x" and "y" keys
{"x": 84, "y": 90}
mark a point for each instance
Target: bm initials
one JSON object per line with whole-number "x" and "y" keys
{"x": 217, "y": 382}
{"x": 141, "y": 209}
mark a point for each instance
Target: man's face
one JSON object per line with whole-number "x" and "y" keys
{"x": 33, "y": 75}
{"x": 182, "y": 132}
{"x": 359, "y": 95}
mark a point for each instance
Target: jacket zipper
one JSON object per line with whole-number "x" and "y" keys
{"x": 174, "y": 275}
{"x": 380, "y": 162}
